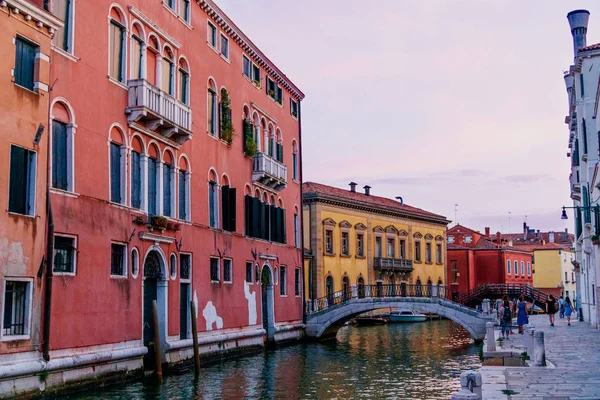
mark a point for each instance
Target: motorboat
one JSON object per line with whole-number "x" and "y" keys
{"x": 371, "y": 320}
{"x": 406, "y": 316}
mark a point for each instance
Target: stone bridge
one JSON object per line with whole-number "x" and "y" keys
{"x": 327, "y": 315}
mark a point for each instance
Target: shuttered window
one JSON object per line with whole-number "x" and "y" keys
{"x": 297, "y": 282}
{"x": 152, "y": 186}
{"x": 224, "y": 46}
{"x": 116, "y": 50}
{"x": 59, "y": 155}
{"x": 212, "y": 201}
{"x": 136, "y": 180}
{"x": 25, "y": 62}
{"x": 264, "y": 221}
{"x": 295, "y": 165}
{"x": 584, "y": 134}
{"x": 246, "y": 66}
{"x": 115, "y": 173}
{"x": 167, "y": 197}
{"x": 136, "y": 57}
{"x": 184, "y": 10}
{"x": 228, "y": 208}
{"x": 22, "y": 181}
{"x": 183, "y": 196}
{"x": 167, "y": 76}
{"x": 183, "y": 86}
{"x": 62, "y": 9}
{"x": 212, "y": 112}
{"x": 282, "y": 281}
{"x": 117, "y": 263}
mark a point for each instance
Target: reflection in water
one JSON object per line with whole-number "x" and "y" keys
{"x": 403, "y": 361}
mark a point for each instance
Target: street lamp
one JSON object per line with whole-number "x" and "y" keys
{"x": 564, "y": 213}
{"x": 595, "y": 209}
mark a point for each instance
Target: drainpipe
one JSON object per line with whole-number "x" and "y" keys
{"x": 301, "y": 212}
{"x": 49, "y": 267}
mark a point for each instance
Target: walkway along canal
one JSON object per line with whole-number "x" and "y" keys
{"x": 407, "y": 361}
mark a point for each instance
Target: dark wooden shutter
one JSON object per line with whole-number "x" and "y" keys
{"x": 232, "y": 209}
{"x": 115, "y": 173}
{"x": 279, "y": 95}
{"x": 136, "y": 186}
{"x": 182, "y": 196}
{"x": 25, "y": 63}
{"x": 283, "y": 235}
{"x": 247, "y": 214}
{"x": 151, "y": 186}
{"x": 167, "y": 190}
{"x": 262, "y": 210}
{"x": 59, "y": 155}
{"x": 255, "y": 223}
{"x": 273, "y": 223}
{"x": 220, "y": 124}
{"x": 245, "y": 139}
{"x": 17, "y": 202}
{"x": 225, "y": 207}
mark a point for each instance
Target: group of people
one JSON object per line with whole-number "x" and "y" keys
{"x": 507, "y": 310}
{"x": 565, "y": 309}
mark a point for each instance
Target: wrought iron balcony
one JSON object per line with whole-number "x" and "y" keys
{"x": 269, "y": 172}
{"x": 159, "y": 111}
{"x": 394, "y": 264}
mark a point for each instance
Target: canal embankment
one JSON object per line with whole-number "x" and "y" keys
{"x": 572, "y": 356}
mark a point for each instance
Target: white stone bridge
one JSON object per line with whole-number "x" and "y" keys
{"x": 327, "y": 315}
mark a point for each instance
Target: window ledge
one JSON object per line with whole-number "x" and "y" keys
{"x": 283, "y": 295}
{"x": 65, "y": 53}
{"x": 213, "y": 48}
{"x": 184, "y": 22}
{"x": 296, "y": 181}
{"x": 454, "y": 283}
{"x": 428, "y": 262}
{"x": 118, "y": 277}
{"x": 215, "y": 282}
{"x": 64, "y": 273}
{"x": 64, "y": 192}
{"x": 21, "y": 215}
{"x": 26, "y": 89}
{"x": 418, "y": 262}
{"x": 345, "y": 255}
{"x": 165, "y": 5}
{"x": 118, "y": 83}
{"x": 11, "y": 338}
{"x": 121, "y": 206}
{"x": 329, "y": 254}
{"x": 360, "y": 257}
{"x": 228, "y": 283}
{"x": 226, "y": 59}
{"x": 213, "y": 136}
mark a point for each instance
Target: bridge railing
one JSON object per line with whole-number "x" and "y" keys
{"x": 498, "y": 290}
{"x": 375, "y": 291}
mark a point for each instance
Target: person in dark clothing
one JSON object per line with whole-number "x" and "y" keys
{"x": 551, "y": 309}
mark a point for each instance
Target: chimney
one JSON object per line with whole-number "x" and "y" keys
{"x": 578, "y": 22}
{"x": 551, "y": 237}
{"x": 537, "y": 235}
{"x": 487, "y": 231}
{"x": 498, "y": 239}
{"x": 525, "y": 230}
{"x": 353, "y": 187}
{"x": 367, "y": 190}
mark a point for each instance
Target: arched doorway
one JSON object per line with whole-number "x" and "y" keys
{"x": 429, "y": 287}
{"x": 361, "y": 287}
{"x": 329, "y": 289}
{"x": 155, "y": 286}
{"x": 392, "y": 285}
{"x": 418, "y": 290}
{"x": 268, "y": 317}
{"x": 346, "y": 288}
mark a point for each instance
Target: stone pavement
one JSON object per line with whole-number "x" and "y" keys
{"x": 573, "y": 373}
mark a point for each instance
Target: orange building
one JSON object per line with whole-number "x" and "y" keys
{"x": 25, "y": 34}
{"x": 175, "y": 178}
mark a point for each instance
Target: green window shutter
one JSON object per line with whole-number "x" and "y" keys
{"x": 584, "y": 134}
{"x": 282, "y": 226}
{"x": 263, "y": 230}
{"x": 17, "y": 201}
{"x": 182, "y": 196}
{"x": 115, "y": 173}
{"x": 220, "y": 120}
{"x": 151, "y": 186}
{"x": 232, "y": 210}
{"x": 59, "y": 155}
{"x": 273, "y": 224}
{"x": 167, "y": 190}
{"x": 25, "y": 63}
{"x": 225, "y": 207}
{"x": 255, "y": 223}
{"x": 247, "y": 214}
{"x": 136, "y": 187}
{"x": 245, "y": 126}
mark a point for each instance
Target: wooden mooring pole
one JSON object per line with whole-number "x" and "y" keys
{"x": 195, "y": 337}
{"x": 157, "y": 357}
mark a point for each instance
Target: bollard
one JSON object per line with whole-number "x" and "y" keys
{"x": 470, "y": 381}
{"x": 195, "y": 337}
{"x": 528, "y": 340}
{"x": 464, "y": 394}
{"x": 354, "y": 291}
{"x": 490, "y": 336}
{"x": 485, "y": 306}
{"x": 539, "y": 350}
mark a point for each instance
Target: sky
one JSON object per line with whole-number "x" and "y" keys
{"x": 442, "y": 102}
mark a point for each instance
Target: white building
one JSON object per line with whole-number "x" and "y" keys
{"x": 582, "y": 82}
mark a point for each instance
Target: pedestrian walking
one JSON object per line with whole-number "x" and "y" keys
{"x": 522, "y": 318}
{"x": 561, "y": 307}
{"x": 499, "y": 305}
{"x": 505, "y": 319}
{"x": 551, "y": 309}
{"x": 513, "y": 308}
{"x": 568, "y": 310}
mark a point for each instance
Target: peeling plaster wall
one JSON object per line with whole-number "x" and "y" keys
{"x": 251, "y": 297}
{"x": 211, "y": 317}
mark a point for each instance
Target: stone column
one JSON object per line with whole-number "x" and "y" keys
{"x": 354, "y": 291}
{"x": 486, "y": 306}
{"x": 539, "y": 349}
{"x": 490, "y": 336}
{"x": 470, "y": 381}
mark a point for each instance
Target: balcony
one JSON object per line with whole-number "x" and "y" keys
{"x": 159, "y": 111}
{"x": 393, "y": 264}
{"x": 269, "y": 172}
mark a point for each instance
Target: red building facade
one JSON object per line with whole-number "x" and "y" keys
{"x": 175, "y": 177}
{"x": 474, "y": 259}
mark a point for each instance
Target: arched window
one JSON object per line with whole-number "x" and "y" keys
{"x": 168, "y": 184}
{"x": 212, "y": 107}
{"x": 168, "y": 72}
{"x": 173, "y": 266}
{"x": 138, "y": 51}
{"x": 361, "y": 287}
{"x": 213, "y": 199}
{"x": 184, "y": 189}
{"x": 295, "y": 170}
{"x": 63, "y": 37}
{"x": 63, "y": 142}
{"x": 137, "y": 150}
{"x": 346, "y": 288}
{"x": 116, "y": 45}
{"x": 257, "y": 135}
{"x": 329, "y": 288}
{"x": 184, "y": 10}
{"x": 153, "y": 179}
{"x": 135, "y": 263}
{"x": 117, "y": 165}
{"x": 184, "y": 82}
{"x": 152, "y": 59}
{"x": 270, "y": 140}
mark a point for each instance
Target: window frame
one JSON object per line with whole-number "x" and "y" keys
{"x": 227, "y": 261}
{"x": 173, "y": 266}
{"x": 249, "y": 264}
{"x": 182, "y": 256}
{"x": 522, "y": 268}
{"x": 218, "y": 276}
{"x": 345, "y": 233}
{"x": 187, "y": 11}
{"x": 133, "y": 187}
{"x": 169, "y": 170}
{"x": 224, "y": 46}
{"x": 297, "y": 282}
{"x": 35, "y": 63}
{"x": 121, "y": 79}
{"x": 282, "y": 281}
{"x": 69, "y": 26}
{"x": 528, "y": 268}
{"x": 69, "y": 154}
{"x": 73, "y": 256}
{"x": 297, "y": 240}
{"x": 28, "y": 305}
{"x": 380, "y": 245}
{"x": 212, "y": 39}
{"x": 508, "y": 267}
{"x": 256, "y": 72}
{"x": 122, "y": 172}
{"x": 328, "y": 236}
{"x": 428, "y": 253}
{"x": 212, "y": 115}
{"x": 186, "y": 195}
{"x": 135, "y": 263}
{"x": 516, "y": 268}
{"x": 294, "y": 108}
{"x": 30, "y": 182}
{"x": 390, "y": 240}
{"x": 418, "y": 253}
{"x": 438, "y": 253}
{"x": 124, "y": 260}
{"x": 213, "y": 208}
{"x": 360, "y": 244}
{"x": 246, "y": 61}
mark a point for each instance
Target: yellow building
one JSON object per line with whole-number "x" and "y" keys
{"x": 554, "y": 271}
{"x": 353, "y": 238}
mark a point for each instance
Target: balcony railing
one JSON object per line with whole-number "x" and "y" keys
{"x": 269, "y": 172}
{"x": 159, "y": 110}
{"x": 396, "y": 264}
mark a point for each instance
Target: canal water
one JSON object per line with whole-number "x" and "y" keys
{"x": 395, "y": 361}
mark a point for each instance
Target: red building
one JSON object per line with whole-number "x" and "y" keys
{"x": 474, "y": 259}
{"x": 175, "y": 177}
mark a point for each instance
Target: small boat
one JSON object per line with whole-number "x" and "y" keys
{"x": 371, "y": 320}
{"x": 406, "y": 316}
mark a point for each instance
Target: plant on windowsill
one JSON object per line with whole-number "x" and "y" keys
{"x": 295, "y": 114}
{"x": 251, "y": 147}
{"x": 271, "y": 93}
{"x": 159, "y": 222}
{"x": 256, "y": 82}
{"x": 595, "y": 240}
{"x": 173, "y": 226}
{"x": 227, "y": 130}
{"x": 138, "y": 220}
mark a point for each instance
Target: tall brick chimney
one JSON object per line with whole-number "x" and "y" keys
{"x": 487, "y": 231}
{"x": 499, "y": 239}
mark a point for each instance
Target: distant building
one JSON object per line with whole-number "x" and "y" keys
{"x": 474, "y": 259}
{"x": 581, "y": 82}
{"x": 354, "y": 238}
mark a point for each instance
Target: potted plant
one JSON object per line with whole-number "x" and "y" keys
{"x": 271, "y": 93}
{"x": 257, "y": 82}
{"x": 158, "y": 221}
{"x": 251, "y": 147}
{"x": 139, "y": 220}
{"x": 595, "y": 239}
